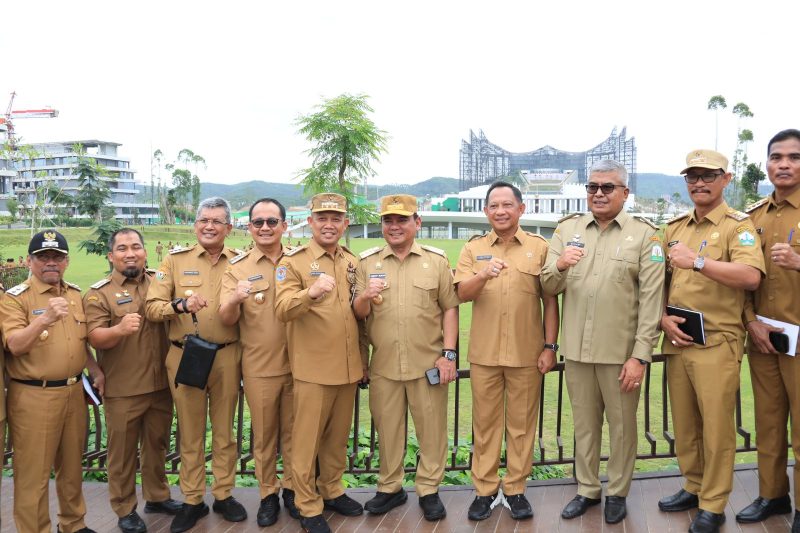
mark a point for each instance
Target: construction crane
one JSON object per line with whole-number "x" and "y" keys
{"x": 7, "y": 121}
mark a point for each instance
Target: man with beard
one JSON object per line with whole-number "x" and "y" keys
{"x": 187, "y": 284}
{"x": 44, "y": 330}
{"x": 714, "y": 256}
{"x": 775, "y": 375}
{"x": 316, "y": 284}
{"x": 138, "y": 405}
{"x": 248, "y": 298}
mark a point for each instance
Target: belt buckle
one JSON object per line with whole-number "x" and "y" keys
{"x": 72, "y": 381}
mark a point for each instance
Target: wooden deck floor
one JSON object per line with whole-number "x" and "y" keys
{"x": 547, "y": 498}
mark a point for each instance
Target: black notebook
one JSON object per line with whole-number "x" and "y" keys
{"x": 694, "y": 323}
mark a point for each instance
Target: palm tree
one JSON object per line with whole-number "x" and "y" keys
{"x": 715, "y": 103}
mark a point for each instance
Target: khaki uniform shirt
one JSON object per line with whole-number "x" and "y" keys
{"x": 405, "y": 329}
{"x": 61, "y": 354}
{"x": 323, "y": 334}
{"x": 507, "y": 328}
{"x": 776, "y": 298}
{"x": 613, "y": 297}
{"x": 261, "y": 334}
{"x": 2, "y": 363}
{"x": 136, "y": 364}
{"x": 729, "y": 236}
{"x": 189, "y": 269}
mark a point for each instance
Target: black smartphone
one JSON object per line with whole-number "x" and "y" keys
{"x": 433, "y": 375}
{"x": 780, "y": 341}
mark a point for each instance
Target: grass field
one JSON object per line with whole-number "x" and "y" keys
{"x": 85, "y": 270}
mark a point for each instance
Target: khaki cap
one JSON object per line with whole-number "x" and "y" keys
{"x": 705, "y": 159}
{"x": 399, "y": 204}
{"x": 328, "y": 201}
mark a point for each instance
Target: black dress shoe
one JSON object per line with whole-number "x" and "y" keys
{"x": 231, "y": 510}
{"x": 706, "y": 522}
{"x": 344, "y": 505}
{"x": 680, "y": 501}
{"x": 288, "y": 504}
{"x": 268, "y": 511}
{"x": 762, "y": 508}
{"x": 615, "y": 509}
{"x": 132, "y": 523}
{"x": 432, "y": 507}
{"x": 383, "y": 502}
{"x": 577, "y": 506}
{"x": 481, "y": 507}
{"x": 188, "y": 517}
{"x": 314, "y": 524}
{"x": 168, "y": 506}
{"x": 796, "y": 523}
{"x": 520, "y": 507}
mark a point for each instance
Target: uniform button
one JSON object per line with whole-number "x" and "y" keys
{"x": 771, "y": 298}
{"x": 774, "y": 234}
{"x": 778, "y": 215}
{"x": 591, "y": 295}
{"x": 772, "y": 277}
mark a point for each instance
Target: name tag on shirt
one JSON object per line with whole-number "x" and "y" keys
{"x": 191, "y": 272}
{"x": 381, "y": 275}
{"x": 124, "y": 301}
{"x": 38, "y": 311}
{"x": 484, "y": 258}
{"x": 255, "y": 278}
{"x": 316, "y": 273}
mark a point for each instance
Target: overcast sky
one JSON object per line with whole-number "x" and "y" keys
{"x": 228, "y": 79}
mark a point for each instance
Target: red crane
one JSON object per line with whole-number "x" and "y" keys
{"x": 7, "y": 124}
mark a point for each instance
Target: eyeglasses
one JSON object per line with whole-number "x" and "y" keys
{"x": 214, "y": 221}
{"x": 271, "y": 222}
{"x": 708, "y": 177}
{"x": 48, "y": 258}
{"x": 607, "y": 188}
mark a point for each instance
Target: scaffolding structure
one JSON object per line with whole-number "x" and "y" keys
{"x": 482, "y": 162}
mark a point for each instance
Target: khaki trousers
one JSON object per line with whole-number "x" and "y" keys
{"x": 594, "y": 390}
{"x": 323, "y": 415}
{"x": 129, "y": 420}
{"x": 48, "y": 429}
{"x": 270, "y": 402}
{"x": 389, "y": 401}
{"x": 702, "y": 392}
{"x": 498, "y": 391}
{"x": 193, "y": 405}
{"x": 776, "y": 391}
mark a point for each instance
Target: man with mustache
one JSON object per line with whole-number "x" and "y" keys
{"x": 714, "y": 257}
{"x": 138, "y": 405}
{"x": 44, "y": 331}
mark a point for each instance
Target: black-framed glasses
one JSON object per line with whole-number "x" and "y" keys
{"x": 607, "y": 188}
{"x": 708, "y": 177}
{"x": 272, "y": 222}
{"x": 214, "y": 221}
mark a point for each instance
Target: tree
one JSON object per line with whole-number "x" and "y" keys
{"x": 93, "y": 193}
{"x": 743, "y": 136}
{"x": 715, "y": 103}
{"x": 345, "y": 143}
{"x": 12, "y": 204}
{"x": 751, "y": 177}
{"x": 102, "y": 235}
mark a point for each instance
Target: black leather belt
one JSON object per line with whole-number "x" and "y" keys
{"x": 220, "y": 346}
{"x": 46, "y": 384}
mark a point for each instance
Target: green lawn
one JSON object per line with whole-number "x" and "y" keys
{"x": 85, "y": 270}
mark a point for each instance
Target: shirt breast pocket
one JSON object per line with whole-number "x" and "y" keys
{"x": 80, "y": 320}
{"x": 424, "y": 292}
{"x": 190, "y": 283}
{"x": 529, "y": 277}
{"x": 626, "y": 266}
{"x": 258, "y": 293}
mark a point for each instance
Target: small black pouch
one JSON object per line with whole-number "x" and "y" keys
{"x": 196, "y": 361}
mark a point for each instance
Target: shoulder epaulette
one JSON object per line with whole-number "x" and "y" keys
{"x": 19, "y": 289}
{"x": 72, "y": 285}
{"x": 293, "y": 251}
{"x": 571, "y": 215}
{"x": 677, "y": 218}
{"x": 752, "y": 207}
{"x": 738, "y": 216}
{"x": 476, "y": 236}
{"x": 103, "y": 282}
{"x": 179, "y": 250}
{"x": 433, "y": 249}
{"x": 239, "y": 257}
{"x": 532, "y": 234}
{"x": 646, "y": 220}
{"x": 370, "y": 251}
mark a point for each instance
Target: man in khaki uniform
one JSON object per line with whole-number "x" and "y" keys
{"x": 714, "y": 257}
{"x": 315, "y": 286}
{"x": 138, "y": 404}
{"x": 405, "y": 291}
{"x": 2, "y": 380}
{"x": 248, "y": 297}
{"x": 776, "y": 376}
{"x": 610, "y": 268}
{"x": 188, "y": 283}
{"x": 44, "y": 331}
{"x": 511, "y": 347}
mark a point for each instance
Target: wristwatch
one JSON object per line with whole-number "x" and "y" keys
{"x": 176, "y": 302}
{"x": 699, "y": 263}
{"x": 450, "y": 355}
{"x": 551, "y": 346}
{"x": 643, "y": 362}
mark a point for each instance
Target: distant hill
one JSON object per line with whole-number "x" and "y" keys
{"x": 656, "y": 186}
{"x": 241, "y": 195}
